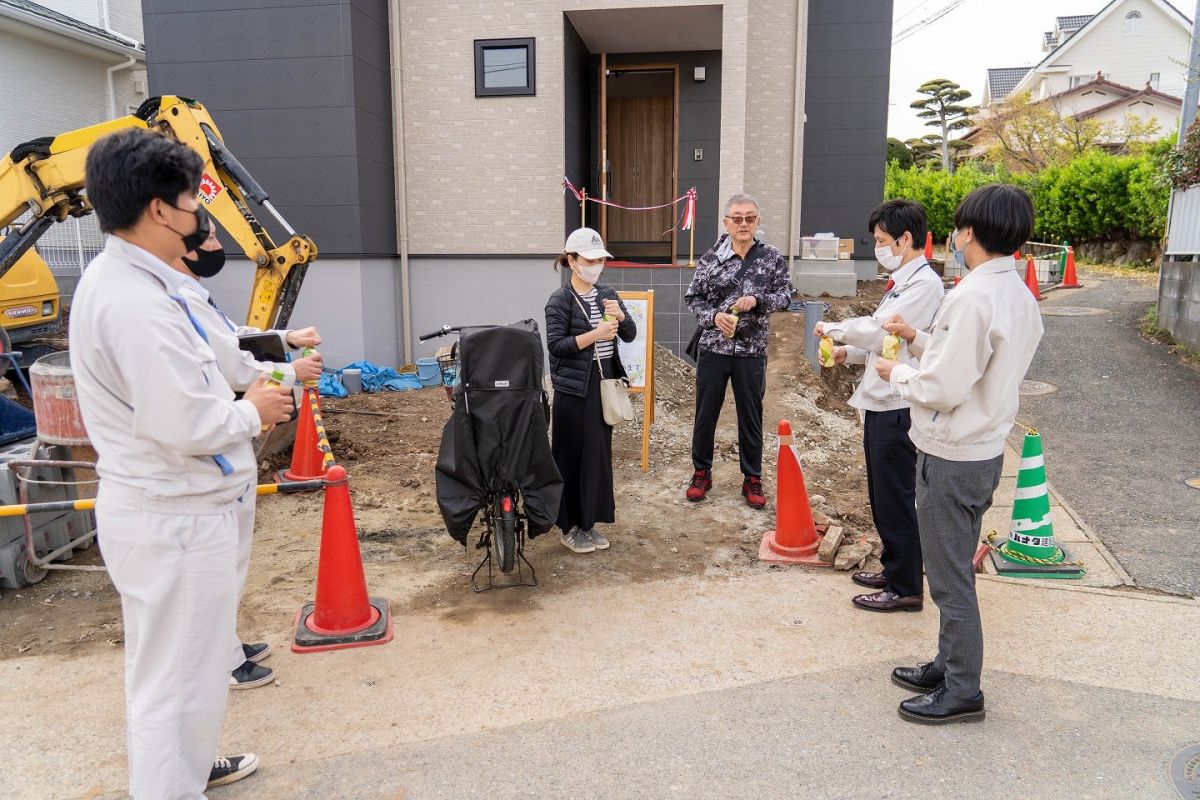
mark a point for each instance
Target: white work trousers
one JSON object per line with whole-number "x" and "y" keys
{"x": 177, "y": 577}
{"x": 245, "y": 541}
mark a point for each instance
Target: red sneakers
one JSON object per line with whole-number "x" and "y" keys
{"x": 701, "y": 483}
{"x": 752, "y": 489}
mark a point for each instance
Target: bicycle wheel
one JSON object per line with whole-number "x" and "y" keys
{"x": 504, "y": 534}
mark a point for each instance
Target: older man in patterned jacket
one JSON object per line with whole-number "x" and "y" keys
{"x": 737, "y": 285}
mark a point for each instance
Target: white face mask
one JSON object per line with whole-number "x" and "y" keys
{"x": 887, "y": 259}
{"x": 589, "y": 274}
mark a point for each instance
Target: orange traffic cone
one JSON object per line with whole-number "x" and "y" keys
{"x": 1031, "y": 279}
{"x": 794, "y": 540}
{"x": 1017, "y": 255}
{"x": 308, "y": 459}
{"x": 957, "y": 278}
{"x": 1069, "y": 280}
{"x": 342, "y": 616}
{"x": 928, "y": 245}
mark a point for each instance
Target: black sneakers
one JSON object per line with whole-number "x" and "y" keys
{"x": 250, "y": 675}
{"x": 256, "y": 652}
{"x": 232, "y": 769}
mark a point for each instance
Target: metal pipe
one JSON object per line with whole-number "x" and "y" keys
{"x": 800, "y": 72}
{"x": 404, "y": 322}
{"x": 89, "y": 503}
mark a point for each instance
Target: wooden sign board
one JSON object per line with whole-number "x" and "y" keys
{"x": 638, "y": 358}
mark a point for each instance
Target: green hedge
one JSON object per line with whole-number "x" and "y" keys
{"x": 1097, "y": 196}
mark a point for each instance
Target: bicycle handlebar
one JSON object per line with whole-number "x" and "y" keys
{"x": 443, "y": 331}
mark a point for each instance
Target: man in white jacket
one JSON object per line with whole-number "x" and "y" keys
{"x": 175, "y": 461}
{"x": 240, "y": 370}
{"x": 964, "y": 402}
{"x": 914, "y": 292}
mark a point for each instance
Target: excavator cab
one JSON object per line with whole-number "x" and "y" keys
{"x": 29, "y": 307}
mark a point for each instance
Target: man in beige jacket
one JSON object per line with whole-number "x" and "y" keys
{"x": 964, "y": 402}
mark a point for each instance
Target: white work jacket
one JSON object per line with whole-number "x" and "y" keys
{"x": 916, "y": 296}
{"x": 964, "y": 393}
{"x": 238, "y": 366}
{"x": 159, "y": 413}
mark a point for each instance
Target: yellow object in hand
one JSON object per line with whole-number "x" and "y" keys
{"x": 891, "y": 347}
{"x": 733, "y": 312}
{"x": 826, "y": 352}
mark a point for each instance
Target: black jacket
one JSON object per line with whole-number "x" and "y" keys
{"x": 572, "y": 369}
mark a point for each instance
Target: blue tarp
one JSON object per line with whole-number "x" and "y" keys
{"x": 16, "y": 422}
{"x": 374, "y": 379}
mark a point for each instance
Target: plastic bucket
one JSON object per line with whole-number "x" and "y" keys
{"x": 55, "y": 404}
{"x": 352, "y": 380}
{"x": 428, "y": 372}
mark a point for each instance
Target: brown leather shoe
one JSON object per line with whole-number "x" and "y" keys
{"x": 886, "y": 601}
{"x": 872, "y": 580}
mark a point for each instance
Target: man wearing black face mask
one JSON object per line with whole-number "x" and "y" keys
{"x": 175, "y": 461}
{"x": 241, "y": 370}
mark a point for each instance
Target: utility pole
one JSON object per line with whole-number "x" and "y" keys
{"x": 1192, "y": 93}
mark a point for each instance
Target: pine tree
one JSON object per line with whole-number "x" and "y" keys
{"x": 942, "y": 109}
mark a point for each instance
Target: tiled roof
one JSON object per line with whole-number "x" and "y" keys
{"x": 1072, "y": 23}
{"x": 1049, "y": 39}
{"x": 62, "y": 19}
{"x": 1002, "y": 80}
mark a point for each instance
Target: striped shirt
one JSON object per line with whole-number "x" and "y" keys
{"x": 595, "y": 312}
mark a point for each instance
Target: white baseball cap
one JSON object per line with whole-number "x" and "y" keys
{"x": 587, "y": 243}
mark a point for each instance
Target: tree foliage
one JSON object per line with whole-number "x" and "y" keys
{"x": 942, "y": 108}
{"x": 899, "y": 153}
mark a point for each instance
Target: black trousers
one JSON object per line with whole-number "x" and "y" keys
{"x": 748, "y": 374}
{"x": 891, "y": 488}
{"x": 581, "y": 443}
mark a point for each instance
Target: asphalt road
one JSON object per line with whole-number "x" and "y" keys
{"x": 1122, "y": 433}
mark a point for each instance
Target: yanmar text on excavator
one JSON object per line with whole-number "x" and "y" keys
{"x": 45, "y": 178}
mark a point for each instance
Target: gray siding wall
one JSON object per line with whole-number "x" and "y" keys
{"x": 845, "y": 138}
{"x": 300, "y": 90}
{"x": 673, "y": 323}
{"x": 1179, "y": 300}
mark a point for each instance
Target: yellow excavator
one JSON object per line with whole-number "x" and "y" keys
{"x": 44, "y": 179}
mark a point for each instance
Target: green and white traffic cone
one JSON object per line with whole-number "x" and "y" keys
{"x": 1031, "y": 551}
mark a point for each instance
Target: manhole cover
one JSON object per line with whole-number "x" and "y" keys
{"x": 1072, "y": 311}
{"x": 1193, "y": 482}
{"x": 1185, "y": 772}
{"x": 1033, "y": 388}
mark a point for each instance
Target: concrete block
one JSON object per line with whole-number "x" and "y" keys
{"x": 830, "y": 544}
{"x": 813, "y": 278}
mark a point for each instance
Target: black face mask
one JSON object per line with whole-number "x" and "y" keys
{"x": 192, "y": 241}
{"x": 207, "y": 263}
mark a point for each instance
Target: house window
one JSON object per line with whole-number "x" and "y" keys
{"x": 1154, "y": 77}
{"x": 504, "y": 67}
{"x": 1133, "y": 23}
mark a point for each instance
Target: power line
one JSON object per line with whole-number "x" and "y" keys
{"x": 912, "y": 30}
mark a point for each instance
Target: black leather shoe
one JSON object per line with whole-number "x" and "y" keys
{"x": 921, "y": 678}
{"x": 887, "y": 601}
{"x": 938, "y": 708}
{"x": 872, "y": 580}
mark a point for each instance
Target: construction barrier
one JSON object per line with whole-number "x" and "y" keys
{"x": 795, "y": 539}
{"x": 312, "y": 457}
{"x": 342, "y": 615}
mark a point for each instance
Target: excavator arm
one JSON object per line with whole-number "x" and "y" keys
{"x": 45, "y": 177}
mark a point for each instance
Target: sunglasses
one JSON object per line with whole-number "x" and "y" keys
{"x": 750, "y": 220}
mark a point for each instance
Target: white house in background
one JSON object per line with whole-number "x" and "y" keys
{"x": 68, "y": 64}
{"x": 1129, "y": 42}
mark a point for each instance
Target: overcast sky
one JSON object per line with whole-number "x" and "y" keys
{"x": 962, "y": 45}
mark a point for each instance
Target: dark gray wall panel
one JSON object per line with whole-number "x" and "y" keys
{"x": 578, "y": 83}
{"x": 848, "y": 66}
{"x": 301, "y": 91}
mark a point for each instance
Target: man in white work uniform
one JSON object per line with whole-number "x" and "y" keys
{"x": 914, "y": 291}
{"x": 241, "y": 369}
{"x": 175, "y": 461}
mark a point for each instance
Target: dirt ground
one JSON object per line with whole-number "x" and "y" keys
{"x": 408, "y": 557}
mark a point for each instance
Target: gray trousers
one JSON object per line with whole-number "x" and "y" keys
{"x": 952, "y": 497}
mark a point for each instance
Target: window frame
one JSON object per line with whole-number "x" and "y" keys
{"x": 530, "y": 87}
{"x": 1133, "y": 23}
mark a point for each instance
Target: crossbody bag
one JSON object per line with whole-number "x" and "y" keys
{"x": 614, "y": 392}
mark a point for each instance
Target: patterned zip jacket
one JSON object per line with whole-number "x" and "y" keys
{"x": 713, "y": 289}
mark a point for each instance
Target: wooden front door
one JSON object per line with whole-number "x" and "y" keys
{"x": 640, "y": 116}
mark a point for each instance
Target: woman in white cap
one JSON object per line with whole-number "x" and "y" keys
{"x": 583, "y": 318}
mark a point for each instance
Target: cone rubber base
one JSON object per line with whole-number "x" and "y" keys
{"x": 1010, "y": 569}
{"x": 774, "y": 553}
{"x": 287, "y": 476}
{"x": 379, "y": 631}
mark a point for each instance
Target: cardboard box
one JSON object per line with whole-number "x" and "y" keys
{"x": 845, "y": 248}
